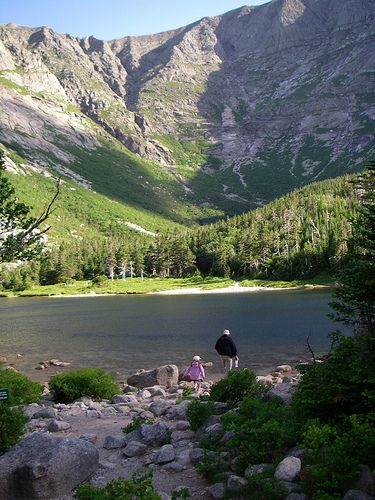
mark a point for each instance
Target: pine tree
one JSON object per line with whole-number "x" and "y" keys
{"x": 355, "y": 298}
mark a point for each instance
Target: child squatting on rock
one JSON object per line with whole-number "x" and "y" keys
{"x": 195, "y": 372}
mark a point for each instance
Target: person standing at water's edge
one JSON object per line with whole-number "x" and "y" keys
{"x": 227, "y": 350}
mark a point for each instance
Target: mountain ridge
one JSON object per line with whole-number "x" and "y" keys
{"x": 269, "y": 98}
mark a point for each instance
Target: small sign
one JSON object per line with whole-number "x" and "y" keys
{"x": 4, "y": 394}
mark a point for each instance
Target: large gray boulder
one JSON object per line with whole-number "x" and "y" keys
{"x": 44, "y": 466}
{"x": 164, "y": 375}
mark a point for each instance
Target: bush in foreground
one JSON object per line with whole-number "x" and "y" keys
{"x": 139, "y": 487}
{"x": 343, "y": 385}
{"x": 336, "y": 453}
{"x": 198, "y": 412}
{"x": 91, "y": 382}
{"x": 12, "y": 424}
{"x": 22, "y": 390}
{"x": 236, "y": 386}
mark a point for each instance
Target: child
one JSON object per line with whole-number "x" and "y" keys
{"x": 196, "y": 373}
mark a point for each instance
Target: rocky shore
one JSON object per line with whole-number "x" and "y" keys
{"x": 68, "y": 444}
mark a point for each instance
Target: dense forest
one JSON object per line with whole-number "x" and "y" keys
{"x": 296, "y": 236}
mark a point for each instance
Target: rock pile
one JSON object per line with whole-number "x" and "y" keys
{"x": 163, "y": 442}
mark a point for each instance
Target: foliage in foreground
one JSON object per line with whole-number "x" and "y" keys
{"x": 91, "y": 382}
{"x": 198, "y": 412}
{"x": 237, "y": 385}
{"x": 344, "y": 384}
{"x": 20, "y": 233}
{"x": 263, "y": 431}
{"x": 22, "y": 390}
{"x": 139, "y": 487}
{"x": 336, "y": 453}
{"x": 12, "y": 425}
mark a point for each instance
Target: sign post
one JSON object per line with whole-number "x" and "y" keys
{"x": 4, "y": 395}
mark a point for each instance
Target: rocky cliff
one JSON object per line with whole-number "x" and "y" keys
{"x": 235, "y": 110}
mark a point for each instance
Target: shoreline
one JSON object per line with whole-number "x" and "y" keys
{"x": 178, "y": 291}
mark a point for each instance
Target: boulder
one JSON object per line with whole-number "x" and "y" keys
{"x": 282, "y": 390}
{"x": 58, "y": 425}
{"x": 178, "y": 412}
{"x": 44, "y": 466}
{"x": 134, "y": 449}
{"x": 217, "y": 491}
{"x": 182, "y": 425}
{"x": 153, "y": 434}
{"x": 166, "y": 454}
{"x": 288, "y": 469}
{"x": 160, "y": 406}
{"x": 113, "y": 442}
{"x": 173, "y": 466}
{"x": 164, "y": 375}
{"x": 236, "y": 483}
{"x": 364, "y": 481}
{"x": 121, "y": 398}
{"x": 48, "y": 412}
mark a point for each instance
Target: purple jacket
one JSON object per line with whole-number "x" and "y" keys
{"x": 195, "y": 370}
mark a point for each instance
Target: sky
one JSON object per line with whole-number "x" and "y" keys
{"x": 109, "y": 19}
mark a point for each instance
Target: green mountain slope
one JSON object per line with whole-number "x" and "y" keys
{"x": 81, "y": 213}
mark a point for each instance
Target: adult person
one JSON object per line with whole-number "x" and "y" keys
{"x": 227, "y": 350}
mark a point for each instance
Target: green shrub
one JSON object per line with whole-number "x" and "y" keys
{"x": 211, "y": 466}
{"x": 260, "y": 487}
{"x": 100, "y": 280}
{"x": 237, "y": 385}
{"x": 198, "y": 412}
{"x": 139, "y": 487}
{"x": 90, "y": 382}
{"x": 22, "y": 390}
{"x": 181, "y": 494}
{"x": 336, "y": 452}
{"x": 12, "y": 424}
{"x": 264, "y": 431}
{"x": 343, "y": 384}
{"x": 135, "y": 424}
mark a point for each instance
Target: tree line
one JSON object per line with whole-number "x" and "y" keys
{"x": 296, "y": 236}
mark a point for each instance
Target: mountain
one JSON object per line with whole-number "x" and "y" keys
{"x": 210, "y": 119}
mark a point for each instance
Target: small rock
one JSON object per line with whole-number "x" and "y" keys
{"x": 215, "y": 429}
{"x": 120, "y": 398}
{"x": 166, "y": 454}
{"x": 113, "y": 442}
{"x": 134, "y": 449}
{"x": 58, "y": 425}
{"x": 196, "y": 455}
{"x": 236, "y": 483}
{"x": 217, "y": 491}
{"x": 182, "y": 425}
{"x": 48, "y": 412}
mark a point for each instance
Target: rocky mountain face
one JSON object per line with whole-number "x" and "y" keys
{"x": 235, "y": 109}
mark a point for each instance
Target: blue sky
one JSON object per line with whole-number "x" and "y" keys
{"x": 108, "y": 19}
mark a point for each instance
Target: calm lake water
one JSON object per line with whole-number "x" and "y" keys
{"x": 125, "y": 333}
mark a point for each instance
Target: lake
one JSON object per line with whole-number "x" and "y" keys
{"x": 126, "y": 333}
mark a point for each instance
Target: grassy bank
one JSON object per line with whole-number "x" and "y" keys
{"x": 147, "y": 285}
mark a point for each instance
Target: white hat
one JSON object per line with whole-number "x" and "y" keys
{"x": 226, "y": 332}
{"x": 196, "y": 358}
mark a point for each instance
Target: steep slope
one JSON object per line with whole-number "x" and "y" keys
{"x": 80, "y": 213}
{"x": 226, "y": 113}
